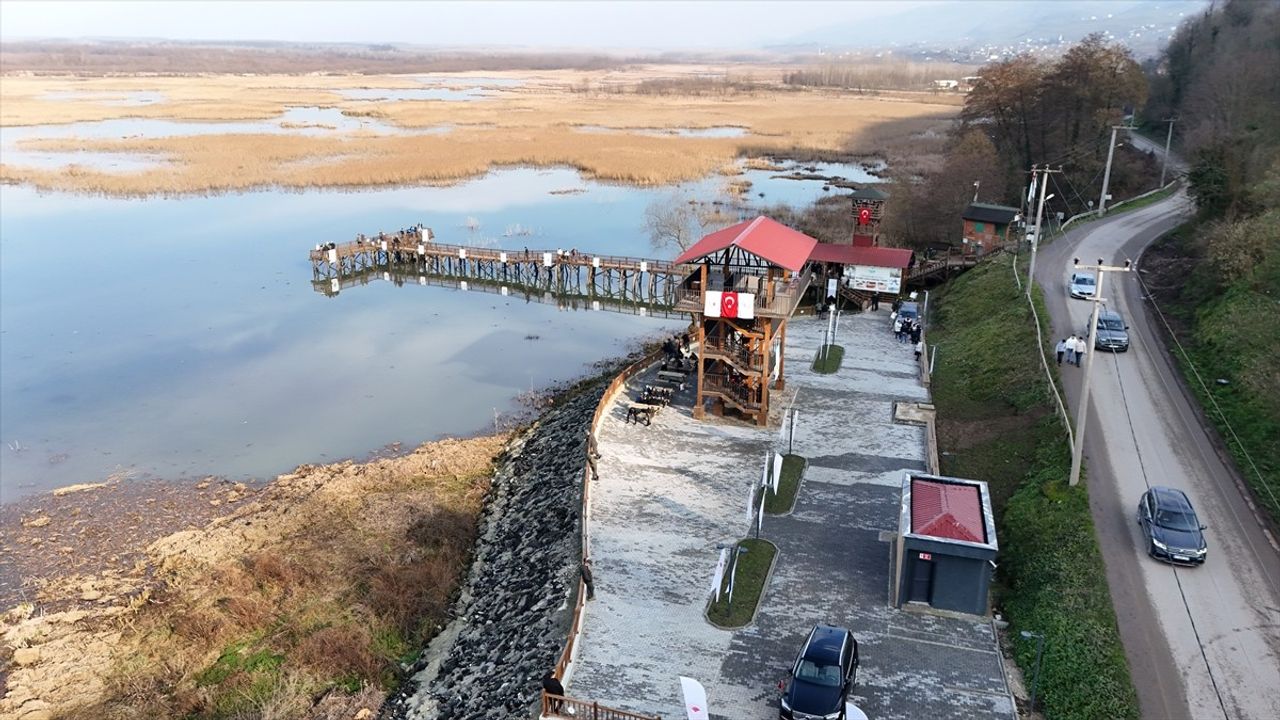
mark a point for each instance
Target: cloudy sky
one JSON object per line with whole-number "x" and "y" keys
{"x": 649, "y": 24}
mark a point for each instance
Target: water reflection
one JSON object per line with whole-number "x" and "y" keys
{"x": 182, "y": 337}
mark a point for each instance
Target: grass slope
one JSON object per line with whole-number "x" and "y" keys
{"x": 996, "y": 423}
{"x": 1230, "y": 331}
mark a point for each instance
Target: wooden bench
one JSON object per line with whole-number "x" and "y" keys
{"x": 675, "y": 378}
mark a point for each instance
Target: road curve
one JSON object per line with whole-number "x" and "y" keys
{"x": 1201, "y": 642}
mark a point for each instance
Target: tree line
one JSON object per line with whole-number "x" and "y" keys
{"x": 1026, "y": 111}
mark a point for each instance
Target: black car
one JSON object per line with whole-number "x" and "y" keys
{"x": 819, "y": 682}
{"x": 1170, "y": 525}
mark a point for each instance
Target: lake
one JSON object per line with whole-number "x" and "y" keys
{"x": 181, "y": 337}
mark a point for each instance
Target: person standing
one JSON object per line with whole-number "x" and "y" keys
{"x": 916, "y": 332}
{"x": 919, "y": 349}
{"x": 593, "y": 454}
{"x": 1062, "y": 349}
{"x": 1071, "y": 350}
{"x": 875, "y": 301}
{"x": 587, "y": 579}
{"x": 552, "y": 686}
{"x": 897, "y": 328}
{"x": 1082, "y": 346}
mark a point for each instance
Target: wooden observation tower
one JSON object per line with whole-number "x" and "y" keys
{"x": 749, "y": 279}
{"x": 868, "y": 212}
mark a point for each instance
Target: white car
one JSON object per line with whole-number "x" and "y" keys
{"x": 1083, "y": 285}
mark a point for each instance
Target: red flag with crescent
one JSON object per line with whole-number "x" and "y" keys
{"x": 864, "y": 216}
{"x": 729, "y": 305}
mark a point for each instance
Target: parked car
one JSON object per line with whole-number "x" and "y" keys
{"x": 909, "y": 311}
{"x": 818, "y": 684}
{"x": 1112, "y": 332}
{"x": 1172, "y": 530}
{"x": 1083, "y": 285}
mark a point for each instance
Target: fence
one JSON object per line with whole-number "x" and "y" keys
{"x": 557, "y": 706}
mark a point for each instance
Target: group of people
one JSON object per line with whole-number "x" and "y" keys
{"x": 1074, "y": 349}
{"x": 907, "y": 329}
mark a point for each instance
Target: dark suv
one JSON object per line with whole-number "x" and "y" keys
{"x": 1169, "y": 522}
{"x": 819, "y": 682}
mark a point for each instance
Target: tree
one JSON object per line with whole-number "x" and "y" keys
{"x": 675, "y": 223}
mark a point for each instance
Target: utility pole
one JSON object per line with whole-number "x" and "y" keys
{"x": 1035, "y": 239}
{"x": 1106, "y": 176}
{"x": 1168, "y": 140}
{"x": 1077, "y": 453}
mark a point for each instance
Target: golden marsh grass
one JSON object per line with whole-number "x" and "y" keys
{"x": 540, "y": 124}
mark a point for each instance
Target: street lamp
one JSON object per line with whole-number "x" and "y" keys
{"x": 1035, "y": 678}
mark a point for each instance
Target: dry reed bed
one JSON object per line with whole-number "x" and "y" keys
{"x": 330, "y": 573}
{"x": 532, "y": 128}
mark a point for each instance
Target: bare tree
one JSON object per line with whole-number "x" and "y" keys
{"x": 675, "y": 223}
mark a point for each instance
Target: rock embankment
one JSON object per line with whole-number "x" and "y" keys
{"x": 514, "y": 609}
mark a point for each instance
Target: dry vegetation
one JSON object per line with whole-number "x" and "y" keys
{"x": 534, "y": 124}
{"x": 317, "y": 588}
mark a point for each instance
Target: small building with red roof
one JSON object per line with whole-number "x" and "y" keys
{"x": 946, "y": 544}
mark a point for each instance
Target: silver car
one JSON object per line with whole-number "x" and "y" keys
{"x": 1083, "y": 285}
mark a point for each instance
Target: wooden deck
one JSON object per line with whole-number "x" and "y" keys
{"x": 640, "y": 282}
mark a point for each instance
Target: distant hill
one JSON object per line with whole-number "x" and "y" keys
{"x": 975, "y": 31}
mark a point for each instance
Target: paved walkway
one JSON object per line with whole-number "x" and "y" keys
{"x": 670, "y": 492}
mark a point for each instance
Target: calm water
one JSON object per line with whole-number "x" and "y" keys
{"x": 182, "y": 337}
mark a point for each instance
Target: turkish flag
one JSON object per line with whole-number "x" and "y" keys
{"x": 864, "y": 216}
{"x": 729, "y": 305}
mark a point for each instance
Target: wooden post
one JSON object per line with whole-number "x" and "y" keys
{"x": 782, "y": 357}
{"x": 699, "y": 411}
{"x": 762, "y": 419}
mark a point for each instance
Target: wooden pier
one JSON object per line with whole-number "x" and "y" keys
{"x": 412, "y": 256}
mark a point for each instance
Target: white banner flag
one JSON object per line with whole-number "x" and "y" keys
{"x": 777, "y": 471}
{"x": 733, "y": 576}
{"x": 760, "y": 520}
{"x": 502, "y": 258}
{"x": 695, "y": 699}
{"x": 751, "y": 504}
{"x": 764, "y": 477}
{"x": 718, "y": 580}
{"x": 546, "y": 259}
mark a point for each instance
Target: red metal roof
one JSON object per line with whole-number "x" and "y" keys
{"x": 856, "y": 255}
{"x": 947, "y": 510}
{"x": 762, "y": 237}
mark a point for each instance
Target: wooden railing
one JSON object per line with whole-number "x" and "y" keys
{"x": 782, "y": 302}
{"x": 564, "y": 666}
{"x": 558, "y": 706}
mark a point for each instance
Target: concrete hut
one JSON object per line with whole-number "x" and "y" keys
{"x": 749, "y": 279}
{"x": 946, "y": 544}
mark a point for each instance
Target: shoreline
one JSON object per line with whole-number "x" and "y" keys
{"x": 65, "y": 636}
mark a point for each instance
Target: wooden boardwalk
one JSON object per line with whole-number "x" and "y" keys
{"x": 410, "y": 255}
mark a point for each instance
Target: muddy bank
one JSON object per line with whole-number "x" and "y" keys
{"x": 511, "y": 617}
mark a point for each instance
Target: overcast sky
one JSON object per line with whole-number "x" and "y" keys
{"x": 649, "y": 24}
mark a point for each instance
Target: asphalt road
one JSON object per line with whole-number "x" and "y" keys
{"x": 1202, "y": 642}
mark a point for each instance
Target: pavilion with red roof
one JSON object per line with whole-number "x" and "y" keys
{"x": 946, "y": 544}
{"x": 748, "y": 279}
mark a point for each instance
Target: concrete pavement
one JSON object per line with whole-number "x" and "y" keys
{"x": 668, "y": 493}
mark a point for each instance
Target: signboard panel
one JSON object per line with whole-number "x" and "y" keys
{"x": 874, "y": 279}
